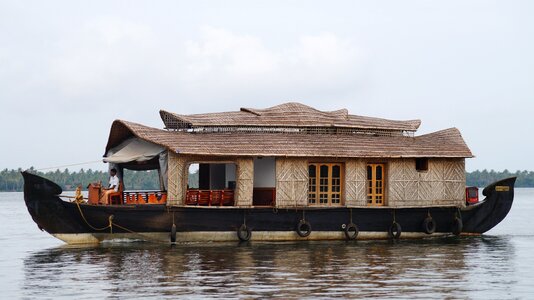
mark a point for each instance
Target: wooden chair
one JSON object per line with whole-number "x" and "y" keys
{"x": 152, "y": 198}
{"x": 162, "y": 198}
{"x": 204, "y": 198}
{"x": 215, "y": 198}
{"x": 116, "y": 197}
{"x": 191, "y": 197}
{"x": 131, "y": 198}
{"x": 140, "y": 199}
{"x": 227, "y": 198}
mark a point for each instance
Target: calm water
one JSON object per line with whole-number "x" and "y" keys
{"x": 499, "y": 265}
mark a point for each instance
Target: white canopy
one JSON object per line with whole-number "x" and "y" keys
{"x": 133, "y": 149}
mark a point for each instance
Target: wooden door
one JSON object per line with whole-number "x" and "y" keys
{"x": 375, "y": 184}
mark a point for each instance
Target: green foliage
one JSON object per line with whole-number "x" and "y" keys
{"x": 192, "y": 180}
{"x": 11, "y": 180}
{"x": 485, "y": 177}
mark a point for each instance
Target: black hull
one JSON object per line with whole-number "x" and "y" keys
{"x": 62, "y": 218}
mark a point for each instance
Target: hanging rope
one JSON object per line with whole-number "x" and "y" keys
{"x": 111, "y": 224}
{"x": 144, "y": 237}
{"x": 110, "y": 219}
{"x": 458, "y": 213}
{"x": 71, "y": 165}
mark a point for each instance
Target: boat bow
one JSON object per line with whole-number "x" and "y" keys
{"x": 492, "y": 210}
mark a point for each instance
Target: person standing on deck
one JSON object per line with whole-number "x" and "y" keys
{"x": 113, "y": 187}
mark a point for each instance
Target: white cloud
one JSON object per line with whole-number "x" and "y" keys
{"x": 223, "y": 51}
{"x": 100, "y": 55}
{"x": 228, "y": 60}
{"x": 118, "y": 54}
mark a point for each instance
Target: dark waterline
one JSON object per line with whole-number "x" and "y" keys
{"x": 494, "y": 266}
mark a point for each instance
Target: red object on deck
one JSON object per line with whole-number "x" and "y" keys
{"x": 94, "y": 193}
{"x": 209, "y": 197}
{"x": 471, "y": 195}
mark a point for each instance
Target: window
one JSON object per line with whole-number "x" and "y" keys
{"x": 325, "y": 184}
{"x": 375, "y": 184}
{"x": 421, "y": 164}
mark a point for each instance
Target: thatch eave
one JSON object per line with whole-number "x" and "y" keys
{"x": 444, "y": 144}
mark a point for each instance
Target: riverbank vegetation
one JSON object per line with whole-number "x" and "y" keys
{"x": 11, "y": 180}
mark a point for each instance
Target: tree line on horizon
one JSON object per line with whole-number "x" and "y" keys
{"x": 11, "y": 180}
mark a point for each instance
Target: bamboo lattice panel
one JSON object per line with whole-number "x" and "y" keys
{"x": 176, "y": 173}
{"x": 245, "y": 181}
{"x": 355, "y": 185}
{"x": 442, "y": 184}
{"x": 291, "y": 182}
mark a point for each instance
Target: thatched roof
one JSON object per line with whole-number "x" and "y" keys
{"x": 284, "y": 115}
{"x": 445, "y": 143}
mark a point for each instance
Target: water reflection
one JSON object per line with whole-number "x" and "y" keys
{"x": 416, "y": 269}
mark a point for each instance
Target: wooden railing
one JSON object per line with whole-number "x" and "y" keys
{"x": 210, "y": 197}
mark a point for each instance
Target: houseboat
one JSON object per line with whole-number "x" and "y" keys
{"x": 288, "y": 172}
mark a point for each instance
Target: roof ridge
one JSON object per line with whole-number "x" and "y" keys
{"x": 289, "y": 114}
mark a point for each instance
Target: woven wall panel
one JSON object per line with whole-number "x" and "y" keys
{"x": 176, "y": 172}
{"x": 434, "y": 173}
{"x": 244, "y": 181}
{"x": 397, "y": 192}
{"x": 355, "y": 183}
{"x": 291, "y": 182}
{"x": 442, "y": 184}
{"x": 429, "y": 191}
{"x": 402, "y": 170}
{"x": 454, "y": 170}
{"x": 454, "y": 180}
{"x": 300, "y": 172}
{"x": 454, "y": 191}
{"x": 284, "y": 183}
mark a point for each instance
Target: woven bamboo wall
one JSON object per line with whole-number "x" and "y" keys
{"x": 176, "y": 179}
{"x": 442, "y": 184}
{"x": 291, "y": 182}
{"x": 245, "y": 181}
{"x": 355, "y": 183}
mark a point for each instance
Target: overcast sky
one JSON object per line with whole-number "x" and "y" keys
{"x": 69, "y": 68}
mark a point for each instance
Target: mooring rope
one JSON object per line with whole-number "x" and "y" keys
{"x": 111, "y": 224}
{"x": 110, "y": 219}
{"x": 458, "y": 213}
{"x": 144, "y": 237}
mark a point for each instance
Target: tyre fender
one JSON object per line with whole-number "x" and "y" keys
{"x": 395, "y": 231}
{"x": 244, "y": 233}
{"x": 304, "y": 228}
{"x": 351, "y": 231}
{"x": 429, "y": 225}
